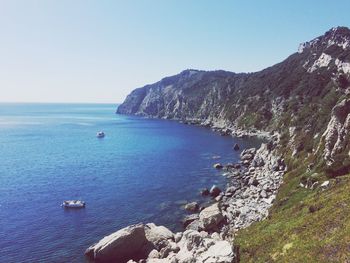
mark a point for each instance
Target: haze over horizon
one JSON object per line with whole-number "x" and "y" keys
{"x": 89, "y": 51}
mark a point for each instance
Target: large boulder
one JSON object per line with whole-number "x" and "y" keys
{"x": 157, "y": 235}
{"x": 211, "y": 217}
{"x": 120, "y": 246}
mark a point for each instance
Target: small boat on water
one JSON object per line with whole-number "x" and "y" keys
{"x": 73, "y": 204}
{"x": 100, "y": 134}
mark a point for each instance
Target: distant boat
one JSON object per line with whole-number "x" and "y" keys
{"x": 73, "y": 204}
{"x": 100, "y": 134}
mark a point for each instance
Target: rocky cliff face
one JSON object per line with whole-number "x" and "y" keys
{"x": 299, "y": 98}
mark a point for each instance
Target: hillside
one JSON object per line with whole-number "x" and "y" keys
{"x": 305, "y": 99}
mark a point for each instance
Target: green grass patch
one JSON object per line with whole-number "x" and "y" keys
{"x": 303, "y": 225}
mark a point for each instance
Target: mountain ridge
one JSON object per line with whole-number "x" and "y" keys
{"x": 274, "y": 99}
{"x": 305, "y": 101}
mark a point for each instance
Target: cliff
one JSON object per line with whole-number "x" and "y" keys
{"x": 294, "y": 98}
{"x": 306, "y": 100}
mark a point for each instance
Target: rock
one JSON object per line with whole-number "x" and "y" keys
{"x": 215, "y": 191}
{"x": 211, "y": 217}
{"x": 125, "y": 244}
{"x": 157, "y": 234}
{"x": 325, "y": 184}
{"x": 158, "y": 260}
{"x": 189, "y": 219}
{"x": 248, "y": 152}
{"x": 178, "y": 236}
{"x": 192, "y": 239}
{"x": 275, "y": 167}
{"x": 205, "y": 192}
{"x": 336, "y": 136}
{"x": 195, "y": 225}
{"x": 312, "y": 209}
{"x": 153, "y": 254}
{"x": 247, "y": 157}
{"x": 232, "y": 189}
{"x": 246, "y": 162}
{"x": 192, "y": 207}
{"x": 236, "y": 147}
{"x": 270, "y": 199}
{"x": 218, "y": 166}
{"x": 174, "y": 247}
{"x": 237, "y": 166}
{"x": 234, "y": 174}
{"x": 215, "y": 236}
{"x": 251, "y": 170}
{"x": 221, "y": 251}
{"x": 263, "y": 194}
{"x": 258, "y": 161}
{"x": 253, "y": 181}
{"x": 164, "y": 252}
{"x": 219, "y": 197}
{"x": 204, "y": 234}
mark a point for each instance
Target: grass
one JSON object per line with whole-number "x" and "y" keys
{"x": 303, "y": 225}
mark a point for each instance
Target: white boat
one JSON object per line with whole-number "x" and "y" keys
{"x": 100, "y": 134}
{"x": 73, "y": 204}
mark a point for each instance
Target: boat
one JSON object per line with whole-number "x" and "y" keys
{"x": 100, "y": 134}
{"x": 73, "y": 204}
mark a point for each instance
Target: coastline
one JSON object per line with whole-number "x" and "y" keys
{"x": 209, "y": 233}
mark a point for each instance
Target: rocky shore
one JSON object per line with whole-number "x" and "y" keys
{"x": 209, "y": 234}
{"x": 305, "y": 98}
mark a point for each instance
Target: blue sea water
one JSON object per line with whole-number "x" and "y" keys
{"x": 142, "y": 171}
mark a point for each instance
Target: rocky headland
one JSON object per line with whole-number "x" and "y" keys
{"x": 301, "y": 107}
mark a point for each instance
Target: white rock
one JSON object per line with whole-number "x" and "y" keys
{"x": 325, "y": 184}
{"x": 221, "y": 251}
{"x": 158, "y": 260}
{"x": 121, "y": 245}
{"x": 178, "y": 237}
{"x": 270, "y": 199}
{"x": 322, "y": 61}
{"x": 157, "y": 234}
{"x": 211, "y": 217}
{"x": 153, "y": 254}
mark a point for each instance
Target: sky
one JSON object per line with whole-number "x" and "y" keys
{"x": 99, "y": 51}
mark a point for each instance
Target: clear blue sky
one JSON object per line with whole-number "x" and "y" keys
{"x": 98, "y": 51}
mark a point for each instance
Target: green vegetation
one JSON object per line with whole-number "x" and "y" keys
{"x": 303, "y": 226}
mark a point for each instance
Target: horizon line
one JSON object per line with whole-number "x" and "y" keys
{"x": 55, "y": 102}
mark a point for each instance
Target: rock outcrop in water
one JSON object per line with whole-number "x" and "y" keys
{"x": 301, "y": 104}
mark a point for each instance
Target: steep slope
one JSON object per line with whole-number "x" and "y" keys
{"x": 306, "y": 100}
{"x": 294, "y": 97}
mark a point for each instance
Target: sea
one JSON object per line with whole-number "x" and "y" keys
{"x": 143, "y": 170}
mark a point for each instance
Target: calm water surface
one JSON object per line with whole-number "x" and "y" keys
{"x": 142, "y": 171}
